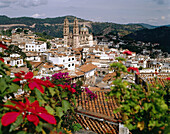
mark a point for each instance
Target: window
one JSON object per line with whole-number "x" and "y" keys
{"x": 73, "y": 64}
{"x": 26, "y": 46}
{"x": 69, "y": 65}
{"x": 72, "y": 58}
{"x": 63, "y": 60}
{"x": 69, "y": 59}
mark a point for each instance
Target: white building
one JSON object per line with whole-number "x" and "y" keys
{"x": 14, "y": 60}
{"x": 61, "y": 59}
{"x": 36, "y": 47}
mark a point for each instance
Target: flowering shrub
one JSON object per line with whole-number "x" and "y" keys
{"x": 47, "y": 105}
{"x": 28, "y": 110}
{"x": 133, "y": 69}
{"x": 127, "y": 52}
{"x": 90, "y": 93}
{"x": 144, "y": 110}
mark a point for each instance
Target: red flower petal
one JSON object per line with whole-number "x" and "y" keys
{"x": 127, "y": 52}
{"x": 48, "y": 117}
{"x": 29, "y": 75}
{"x": 27, "y": 101}
{"x": 22, "y": 72}
{"x": 33, "y": 118}
{"x": 1, "y": 59}
{"x": 17, "y": 79}
{"x": 168, "y": 78}
{"x": 73, "y": 90}
{"x": 33, "y": 85}
{"x": 35, "y": 104}
{"x": 9, "y": 118}
{"x": 20, "y": 105}
{"x": 62, "y": 86}
{"x": 3, "y": 46}
{"x": 10, "y": 106}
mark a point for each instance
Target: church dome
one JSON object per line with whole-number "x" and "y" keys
{"x": 84, "y": 28}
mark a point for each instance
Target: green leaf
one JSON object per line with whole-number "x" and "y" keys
{"x": 13, "y": 87}
{"x": 74, "y": 99}
{"x": 65, "y": 105}
{"x": 38, "y": 128}
{"x": 59, "y": 112}
{"x": 3, "y": 85}
{"x": 64, "y": 94}
{"x": 21, "y": 132}
{"x": 31, "y": 99}
{"x": 16, "y": 123}
{"x": 50, "y": 110}
{"x": 52, "y": 91}
{"x": 147, "y": 106}
{"x": 39, "y": 97}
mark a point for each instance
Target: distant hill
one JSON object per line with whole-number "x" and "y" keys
{"x": 54, "y": 26}
{"x": 159, "y": 35}
{"x": 148, "y": 26}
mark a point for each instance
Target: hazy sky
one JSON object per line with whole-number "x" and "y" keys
{"x": 155, "y": 12}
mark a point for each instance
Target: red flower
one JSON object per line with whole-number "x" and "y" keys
{"x": 133, "y": 69}
{"x": 29, "y": 110}
{"x": 3, "y": 46}
{"x": 33, "y": 82}
{"x": 1, "y": 59}
{"x": 168, "y": 78}
{"x": 127, "y": 52}
{"x": 49, "y": 84}
{"x": 72, "y": 90}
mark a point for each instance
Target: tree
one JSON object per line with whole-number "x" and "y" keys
{"x": 15, "y": 49}
{"x": 48, "y": 45}
{"x": 144, "y": 110}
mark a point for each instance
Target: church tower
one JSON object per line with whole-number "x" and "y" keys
{"x": 76, "y": 34}
{"x": 66, "y": 31}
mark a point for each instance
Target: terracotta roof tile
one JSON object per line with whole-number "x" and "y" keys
{"x": 87, "y": 67}
{"x": 97, "y": 114}
{"x": 109, "y": 76}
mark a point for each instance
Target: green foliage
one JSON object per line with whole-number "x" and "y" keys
{"x": 42, "y": 39}
{"x": 158, "y": 35}
{"x": 48, "y": 45}
{"x": 29, "y": 65}
{"x": 6, "y": 32}
{"x": 12, "y": 49}
{"x": 143, "y": 110}
{"x": 140, "y": 68}
{"x": 120, "y": 59}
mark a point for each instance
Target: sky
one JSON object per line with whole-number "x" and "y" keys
{"x": 154, "y": 12}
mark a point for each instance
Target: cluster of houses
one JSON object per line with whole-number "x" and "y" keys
{"x": 86, "y": 62}
{"x": 90, "y": 62}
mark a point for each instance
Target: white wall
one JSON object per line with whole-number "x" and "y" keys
{"x": 68, "y": 61}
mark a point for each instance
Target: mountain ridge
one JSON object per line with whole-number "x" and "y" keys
{"x": 159, "y": 35}
{"x": 54, "y": 26}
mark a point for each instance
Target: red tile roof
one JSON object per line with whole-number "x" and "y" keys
{"x": 87, "y": 67}
{"x": 97, "y": 114}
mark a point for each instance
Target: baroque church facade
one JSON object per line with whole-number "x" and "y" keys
{"x": 78, "y": 38}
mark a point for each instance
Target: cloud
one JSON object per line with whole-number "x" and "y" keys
{"x": 38, "y": 15}
{"x": 6, "y": 3}
{"x": 22, "y": 3}
{"x": 160, "y": 2}
{"x": 30, "y": 3}
{"x": 162, "y": 17}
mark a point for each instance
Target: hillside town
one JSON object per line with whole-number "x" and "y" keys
{"x": 86, "y": 58}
